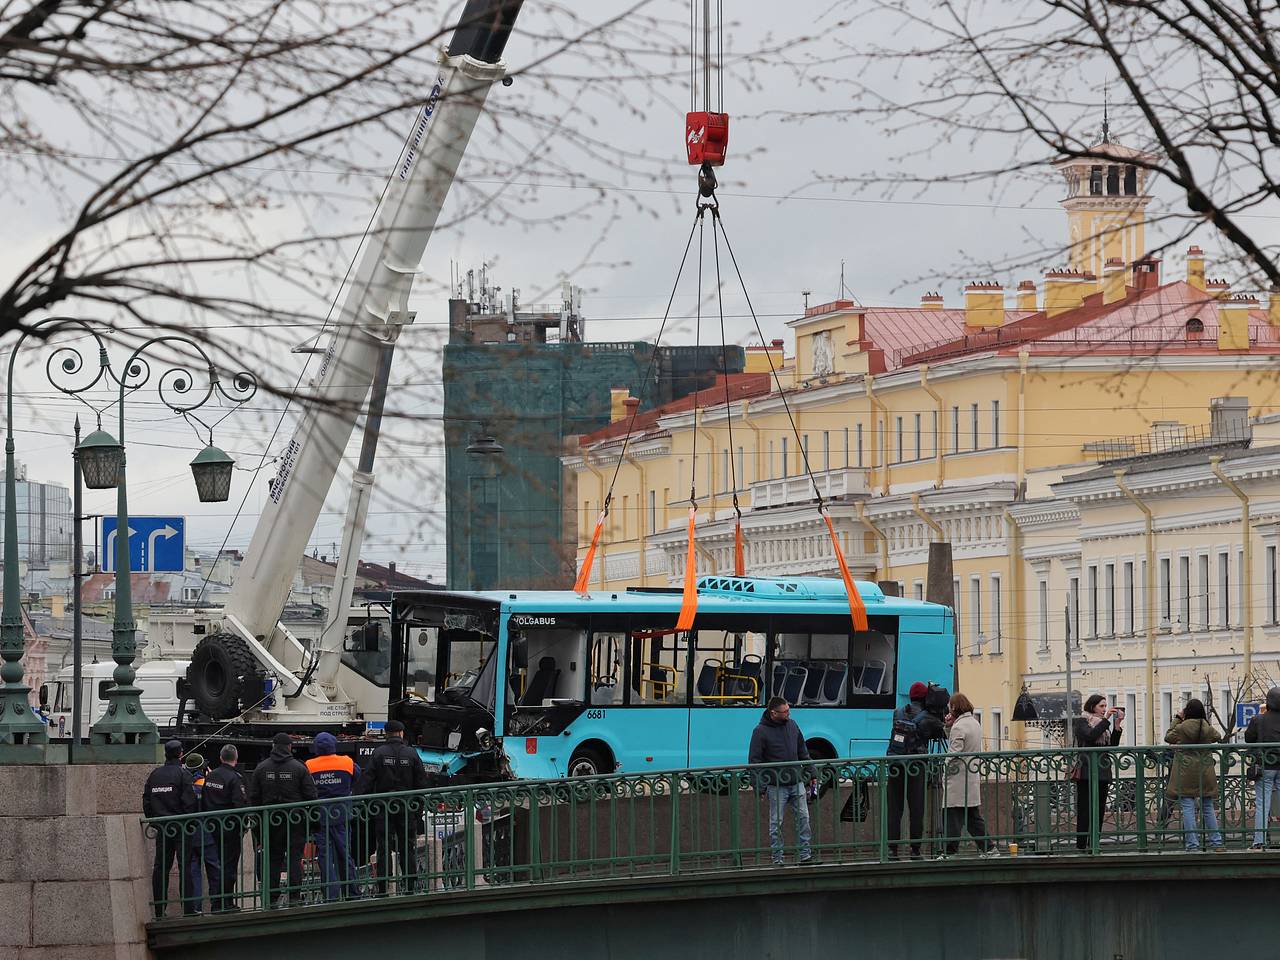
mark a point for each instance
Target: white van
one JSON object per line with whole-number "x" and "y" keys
{"x": 157, "y": 679}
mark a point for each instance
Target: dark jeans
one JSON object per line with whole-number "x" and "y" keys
{"x": 170, "y": 850}
{"x": 229, "y": 843}
{"x": 905, "y": 790}
{"x": 1084, "y": 818}
{"x": 394, "y": 833}
{"x": 969, "y": 818}
{"x": 204, "y": 853}
{"x": 286, "y": 839}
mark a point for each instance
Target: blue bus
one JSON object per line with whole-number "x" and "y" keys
{"x": 546, "y": 684}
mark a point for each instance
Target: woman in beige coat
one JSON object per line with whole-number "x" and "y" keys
{"x": 962, "y": 789}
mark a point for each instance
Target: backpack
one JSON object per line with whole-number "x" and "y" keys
{"x": 904, "y": 736}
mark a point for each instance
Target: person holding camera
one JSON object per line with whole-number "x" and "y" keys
{"x": 1098, "y": 726}
{"x": 962, "y": 788}
{"x": 914, "y": 728}
{"x": 1193, "y": 778}
{"x": 1265, "y": 729}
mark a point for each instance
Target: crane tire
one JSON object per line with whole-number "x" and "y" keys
{"x": 223, "y": 676}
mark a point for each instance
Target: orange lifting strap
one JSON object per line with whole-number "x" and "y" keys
{"x": 689, "y": 599}
{"x": 582, "y": 584}
{"x": 739, "y": 564}
{"x": 857, "y": 609}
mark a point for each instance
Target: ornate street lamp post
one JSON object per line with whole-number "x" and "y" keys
{"x": 124, "y": 734}
{"x": 124, "y": 730}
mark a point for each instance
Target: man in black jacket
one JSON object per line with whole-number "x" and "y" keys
{"x": 394, "y": 768}
{"x": 169, "y": 792}
{"x": 1265, "y": 728}
{"x": 224, "y": 793}
{"x": 277, "y": 780}
{"x": 777, "y": 739}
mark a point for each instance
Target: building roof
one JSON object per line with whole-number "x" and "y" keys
{"x": 741, "y": 386}
{"x": 900, "y": 330}
{"x": 1144, "y": 322}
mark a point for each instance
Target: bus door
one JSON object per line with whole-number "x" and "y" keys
{"x": 651, "y": 725}
{"x": 728, "y": 688}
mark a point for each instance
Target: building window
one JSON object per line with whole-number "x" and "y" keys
{"x": 1095, "y": 181}
{"x": 653, "y": 511}
{"x": 955, "y": 429}
{"x": 785, "y": 466}
{"x": 742, "y": 468}
{"x": 724, "y": 470}
{"x": 804, "y": 453}
{"x": 997, "y": 641}
{"x": 191, "y": 594}
{"x": 936, "y": 449}
{"x": 1240, "y": 585}
{"x": 625, "y": 520}
{"x": 898, "y": 426}
{"x": 975, "y": 612}
{"x": 955, "y": 602}
{"x": 1166, "y": 593}
{"x": 973, "y": 424}
{"x": 772, "y": 468}
{"x": 997, "y": 727}
{"x": 1184, "y": 593}
{"x": 1271, "y": 584}
{"x": 1073, "y": 595}
{"x": 1202, "y": 565}
{"x": 919, "y": 442}
{"x": 1093, "y": 602}
{"x": 917, "y": 589}
{"x": 1109, "y": 584}
{"x": 859, "y": 429}
{"x": 847, "y": 461}
{"x": 1043, "y": 588}
{"x": 826, "y": 449}
{"x": 1224, "y": 589}
{"x": 1130, "y": 604}
{"x": 1166, "y": 707}
{"x": 995, "y": 423}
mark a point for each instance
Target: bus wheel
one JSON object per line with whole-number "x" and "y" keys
{"x": 588, "y": 762}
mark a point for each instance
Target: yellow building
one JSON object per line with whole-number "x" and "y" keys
{"x": 932, "y": 423}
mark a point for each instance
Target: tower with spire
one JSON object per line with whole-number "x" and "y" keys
{"x": 1106, "y": 202}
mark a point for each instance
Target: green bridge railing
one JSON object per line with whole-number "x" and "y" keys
{"x": 686, "y": 821}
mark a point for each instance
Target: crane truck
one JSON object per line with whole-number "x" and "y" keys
{"x": 249, "y": 677}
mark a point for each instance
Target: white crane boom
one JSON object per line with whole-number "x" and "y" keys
{"x": 375, "y": 306}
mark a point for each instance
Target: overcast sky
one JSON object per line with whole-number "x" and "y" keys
{"x": 789, "y": 235}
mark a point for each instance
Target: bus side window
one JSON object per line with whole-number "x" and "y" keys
{"x": 658, "y": 660}
{"x": 606, "y": 669}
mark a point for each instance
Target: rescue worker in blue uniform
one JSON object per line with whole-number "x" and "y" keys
{"x": 203, "y": 851}
{"x": 335, "y": 777}
{"x": 223, "y": 794}
{"x": 395, "y": 767}
{"x": 169, "y": 792}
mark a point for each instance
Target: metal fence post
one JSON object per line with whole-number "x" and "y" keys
{"x": 1140, "y": 800}
{"x": 675, "y": 823}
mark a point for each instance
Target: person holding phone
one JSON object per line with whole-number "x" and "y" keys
{"x": 1098, "y": 726}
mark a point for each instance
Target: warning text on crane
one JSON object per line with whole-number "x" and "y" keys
{"x": 420, "y": 127}
{"x": 286, "y": 468}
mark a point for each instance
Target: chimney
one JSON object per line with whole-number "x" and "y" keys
{"x": 1113, "y": 287}
{"x": 1218, "y": 289}
{"x": 1273, "y": 307}
{"x": 1027, "y": 295}
{"x": 1065, "y": 290}
{"x": 631, "y": 403}
{"x": 1229, "y": 418}
{"x": 391, "y": 566}
{"x": 617, "y": 403}
{"x": 983, "y": 305}
{"x": 1146, "y": 273}
{"x": 57, "y": 606}
{"x": 1233, "y": 321}
{"x": 1195, "y": 268}
{"x": 931, "y": 301}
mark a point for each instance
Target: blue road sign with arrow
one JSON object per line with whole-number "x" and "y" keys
{"x": 156, "y": 544}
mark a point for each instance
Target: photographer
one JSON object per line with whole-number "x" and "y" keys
{"x": 1098, "y": 726}
{"x": 914, "y": 728}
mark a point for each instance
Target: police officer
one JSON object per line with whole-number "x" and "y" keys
{"x": 204, "y": 846}
{"x": 224, "y": 794}
{"x": 395, "y": 767}
{"x": 281, "y": 779}
{"x": 168, "y": 792}
{"x": 335, "y": 777}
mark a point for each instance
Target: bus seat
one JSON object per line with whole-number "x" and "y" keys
{"x": 706, "y": 686}
{"x": 542, "y": 684}
{"x": 833, "y": 684}
{"x": 779, "y": 679}
{"x": 748, "y": 670}
{"x": 794, "y": 684}
{"x": 872, "y": 678}
{"x": 812, "y": 691}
